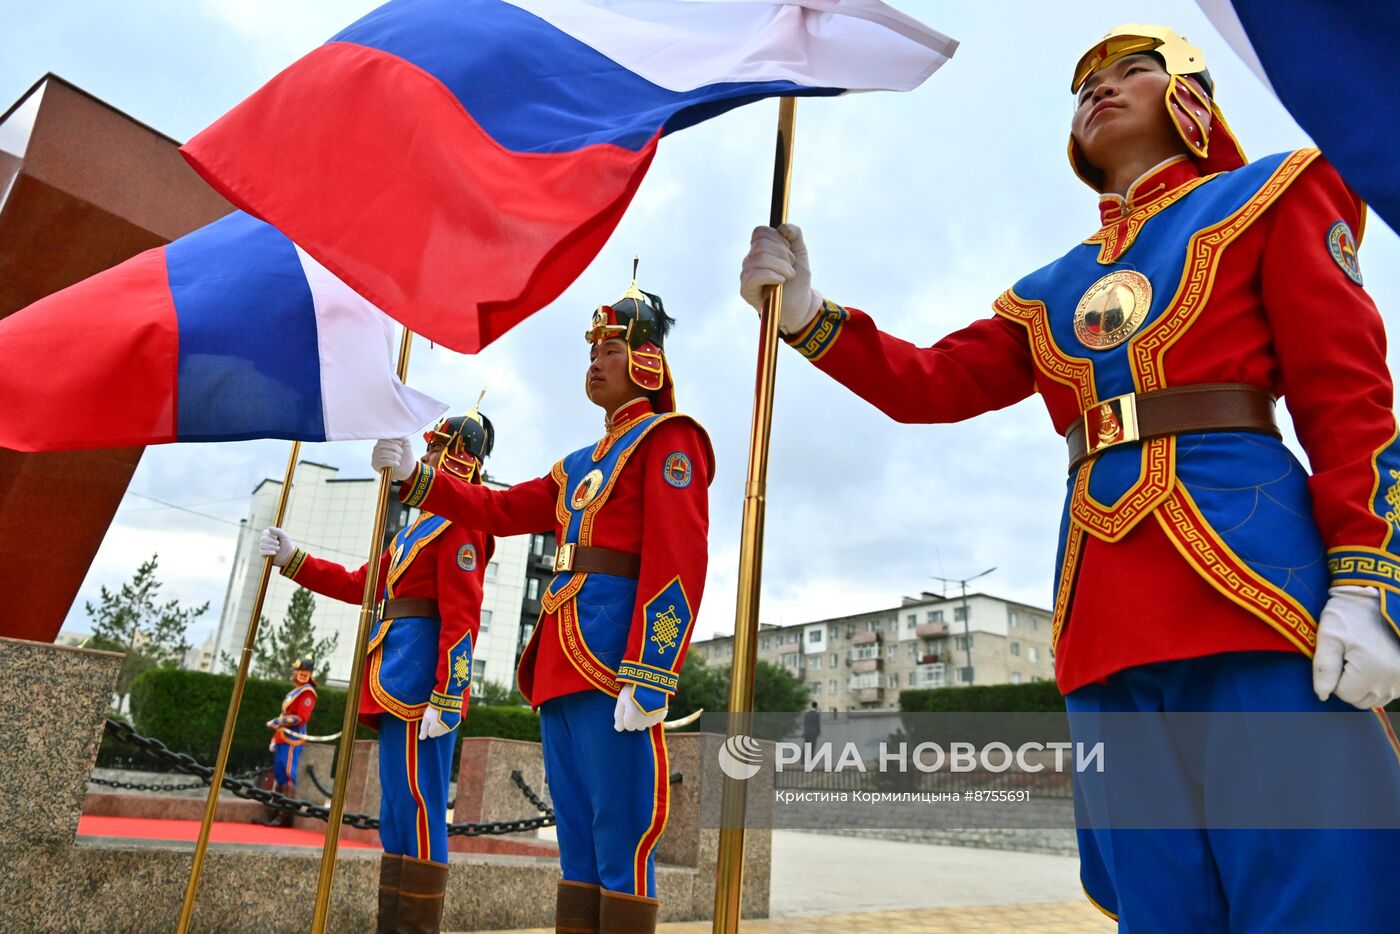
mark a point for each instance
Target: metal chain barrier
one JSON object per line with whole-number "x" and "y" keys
{"x": 180, "y": 762}
{"x": 148, "y": 786}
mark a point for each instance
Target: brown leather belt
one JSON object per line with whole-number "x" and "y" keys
{"x": 409, "y": 606}
{"x": 1175, "y": 411}
{"x": 594, "y": 560}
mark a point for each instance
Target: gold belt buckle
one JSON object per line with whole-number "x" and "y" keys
{"x": 1111, "y": 422}
{"x": 564, "y": 559}
{"x": 379, "y": 609}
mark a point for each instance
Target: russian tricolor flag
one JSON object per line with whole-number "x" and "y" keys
{"x": 228, "y": 333}
{"x": 1336, "y": 68}
{"x": 460, "y": 162}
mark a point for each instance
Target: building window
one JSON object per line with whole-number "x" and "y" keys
{"x": 961, "y": 642}
{"x": 1015, "y": 620}
{"x": 815, "y": 687}
{"x": 491, "y": 570}
{"x": 814, "y": 636}
{"x": 894, "y": 626}
{"x": 485, "y": 620}
{"x": 537, "y": 544}
{"x": 1015, "y": 648}
{"x": 890, "y": 652}
{"x": 1035, "y": 624}
{"x": 835, "y": 659}
{"x": 765, "y": 643}
{"x": 816, "y": 663}
{"x": 872, "y": 625}
{"x": 894, "y": 680}
{"x": 532, "y": 588}
{"x": 913, "y": 650}
{"x": 911, "y": 620}
{"x": 960, "y": 674}
{"x": 960, "y": 613}
{"x": 1034, "y": 654}
{"x": 831, "y": 633}
{"x": 1015, "y": 677}
{"x": 850, "y": 630}
{"x": 831, "y": 686}
{"x": 935, "y": 616}
{"x": 478, "y": 670}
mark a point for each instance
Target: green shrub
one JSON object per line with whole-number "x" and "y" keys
{"x": 1034, "y": 697}
{"x": 185, "y": 710}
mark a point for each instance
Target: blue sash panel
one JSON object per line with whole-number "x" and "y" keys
{"x": 408, "y": 656}
{"x": 605, "y": 605}
{"x": 1254, "y": 494}
{"x": 576, "y": 467}
{"x": 408, "y": 542}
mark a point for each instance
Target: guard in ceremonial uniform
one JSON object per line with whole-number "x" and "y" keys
{"x": 631, "y": 515}
{"x": 289, "y": 735}
{"x": 1200, "y": 566}
{"x": 418, "y": 670}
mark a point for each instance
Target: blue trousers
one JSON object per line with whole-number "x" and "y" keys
{"x": 413, "y": 779}
{"x": 285, "y": 759}
{"x": 611, "y": 792}
{"x": 1210, "y": 876}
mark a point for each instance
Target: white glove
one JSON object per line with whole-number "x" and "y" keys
{"x": 628, "y": 716}
{"x": 277, "y": 545}
{"x": 396, "y": 454}
{"x": 779, "y": 256}
{"x": 274, "y": 723}
{"x": 1358, "y": 656}
{"x": 431, "y": 726}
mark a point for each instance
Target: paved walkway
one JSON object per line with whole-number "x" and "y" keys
{"x": 827, "y": 884}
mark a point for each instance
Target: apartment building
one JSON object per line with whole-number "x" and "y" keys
{"x": 863, "y": 661}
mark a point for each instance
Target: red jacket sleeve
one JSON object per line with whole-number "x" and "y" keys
{"x": 676, "y": 464}
{"x": 983, "y": 367}
{"x": 333, "y": 580}
{"x": 462, "y": 556}
{"x": 525, "y": 507}
{"x": 1330, "y": 345}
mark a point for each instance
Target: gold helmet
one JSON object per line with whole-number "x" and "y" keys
{"x": 1189, "y": 98}
{"x": 466, "y": 440}
{"x": 639, "y": 319}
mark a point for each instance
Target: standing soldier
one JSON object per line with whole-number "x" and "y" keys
{"x": 418, "y": 671}
{"x": 289, "y": 735}
{"x": 1200, "y": 567}
{"x": 631, "y": 514}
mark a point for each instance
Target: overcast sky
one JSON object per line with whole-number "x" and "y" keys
{"x": 919, "y": 208}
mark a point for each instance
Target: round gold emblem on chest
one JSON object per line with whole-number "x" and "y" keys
{"x": 587, "y": 488}
{"x": 1113, "y": 309}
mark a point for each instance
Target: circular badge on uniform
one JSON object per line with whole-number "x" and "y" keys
{"x": 587, "y": 488}
{"x": 466, "y": 557}
{"x": 1343, "y": 246}
{"x": 677, "y": 470}
{"x": 1113, "y": 309}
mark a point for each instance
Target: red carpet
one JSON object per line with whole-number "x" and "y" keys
{"x": 188, "y": 830}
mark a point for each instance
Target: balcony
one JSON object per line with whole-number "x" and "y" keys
{"x": 862, "y": 665}
{"x": 865, "y": 638}
{"x": 933, "y": 659}
{"x": 931, "y": 630}
{"x": 870, "y": 695}
{"x": 929, "y": 675}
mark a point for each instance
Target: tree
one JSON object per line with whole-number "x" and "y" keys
{"x": 774, "y": 692}
{"x": 133, "y": 621}
{"x": 495, "y": 694}
{"x": 278, "y": 649}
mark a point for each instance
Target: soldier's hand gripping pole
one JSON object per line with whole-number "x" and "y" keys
{"x": 216, "y": 781}
{"x": 345, "y": 752}
{"x": 729, "y": 874}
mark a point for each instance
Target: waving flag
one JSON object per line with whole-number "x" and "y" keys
{"x": 1335, "y": 67}
{"x": 228, "y": 333}
{"x": 460, "y": 162}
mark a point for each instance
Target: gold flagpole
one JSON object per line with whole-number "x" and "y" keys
{"x": 211, "y": 803}
{"x": 346, "y": 751}
{"x": 729, "y": 874}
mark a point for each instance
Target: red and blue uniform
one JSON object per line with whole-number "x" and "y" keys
{"x": 1181, "y": 552}
{"x": 414, "y": 662}
{"x": 643, "y": 491}
{"x": 297, "y": 708}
